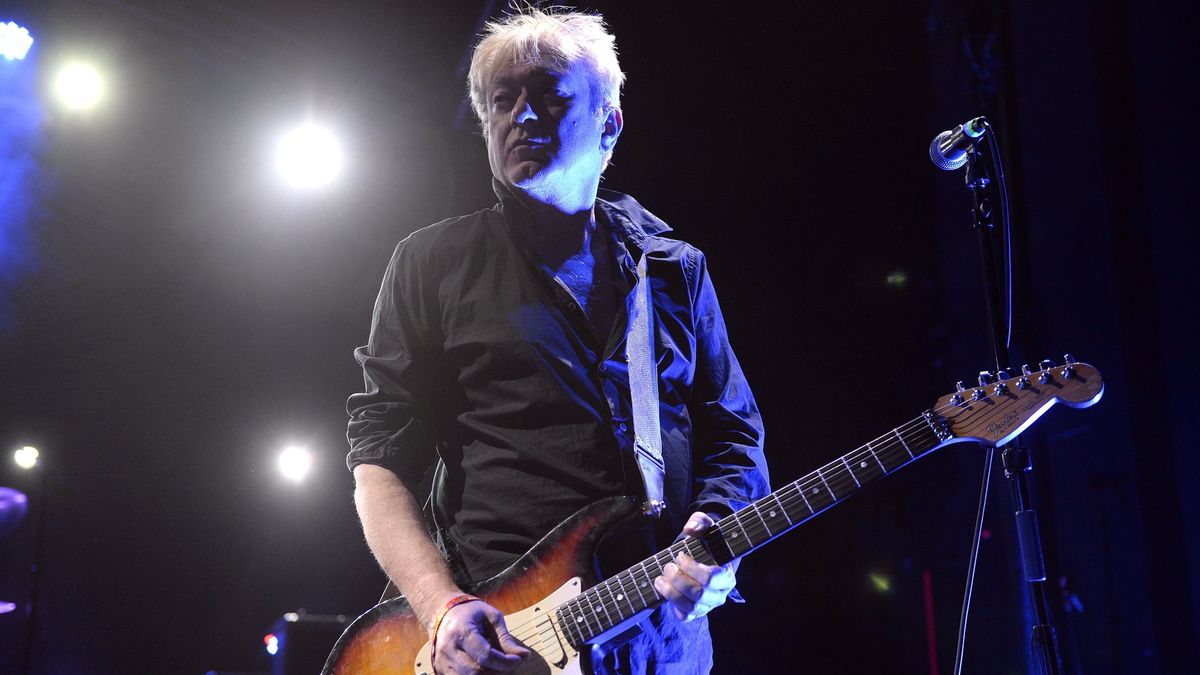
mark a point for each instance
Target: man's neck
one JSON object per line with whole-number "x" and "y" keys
{"x": 559, "y": 233}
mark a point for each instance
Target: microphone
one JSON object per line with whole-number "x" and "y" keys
{"x": 949, "y": 149}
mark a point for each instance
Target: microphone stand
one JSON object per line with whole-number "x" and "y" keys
{"x": 1014, "y": 456}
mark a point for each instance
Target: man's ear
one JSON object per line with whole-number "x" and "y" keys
{"x": 613, "y": 123}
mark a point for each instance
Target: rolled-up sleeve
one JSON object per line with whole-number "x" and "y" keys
{"x": 391, "y": 420}
{"x": 730, "y": 469}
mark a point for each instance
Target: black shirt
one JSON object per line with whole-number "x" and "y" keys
{"x": 478, "y": 353}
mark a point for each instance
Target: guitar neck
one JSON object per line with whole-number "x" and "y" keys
{"x": 623, "y": 596}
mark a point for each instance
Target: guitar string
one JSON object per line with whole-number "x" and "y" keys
{"x": 837, "y": 477}
{"x": 610, "y": 607}
{"x": 841, "y": 480}
{"x": 836, "y": 470}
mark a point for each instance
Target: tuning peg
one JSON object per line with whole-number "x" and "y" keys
{"x": 1002, "y": 375}
{"x": 1025, "y": 370}
{"x": 959, "y": 386}
{"x": 1045, "y": 365}
{"x": 1069, "y": 360}
{"x": 985, "y": 378}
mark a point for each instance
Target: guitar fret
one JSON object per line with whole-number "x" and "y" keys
{"x": 641, "y": 596}
{"x": 866, "y": 469}
{"x": 604, "y": 604}
{"x": 893, "y": 456}
{"x": 624, "y": 595}
{"x": 851, "y": 472}
{"x": 582, "y": 619}
{"x": 734, "y": 535}
{"x": 574, "y": 627}
{"x": 766, "y": 526}
{"x": 873, "y": 454}
{"x": 775, "y": 496}
{"x": 821, "y": 475}
{"x": 650, "y": 574}
{"x": 811, "y": 510}
{"x": 566, "y": 625}
{"x": 901, "y": 439}
{"x": 766, "y": 530}
{"x": 595, "y": 608}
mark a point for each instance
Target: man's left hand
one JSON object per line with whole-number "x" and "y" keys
{"x": 693, "y": 588}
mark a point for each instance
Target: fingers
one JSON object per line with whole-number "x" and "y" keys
{"x": 693, "y": 589}
{"x": 473, "y": 638}
{"x": 698, "y": 524}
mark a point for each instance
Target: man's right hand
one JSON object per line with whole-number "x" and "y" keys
{"x": 472, "y": 638}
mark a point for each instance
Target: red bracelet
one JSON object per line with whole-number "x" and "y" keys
{"x": 437, "y": 623}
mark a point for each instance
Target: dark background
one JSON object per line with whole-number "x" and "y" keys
{"x": 170, "y": 318}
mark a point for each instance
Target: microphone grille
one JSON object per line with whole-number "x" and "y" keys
{"x": 954, "y": 161}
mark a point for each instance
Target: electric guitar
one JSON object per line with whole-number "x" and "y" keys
{"x": 554, "y": 604}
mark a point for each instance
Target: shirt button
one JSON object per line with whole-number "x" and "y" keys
{"x": 622, "y": 427}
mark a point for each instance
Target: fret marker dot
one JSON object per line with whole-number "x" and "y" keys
{"x": 620, "y": 596}
{"x": 596, "y": 609}
{"x": 862, "y": 465}
{"x": 579, "y": 619}
{"x": 733, "y": 535}
{"x": 816, "y": 490}
{"x": 770, "y": 514}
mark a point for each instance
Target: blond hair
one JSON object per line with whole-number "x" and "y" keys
{"x": 555, "y": 39}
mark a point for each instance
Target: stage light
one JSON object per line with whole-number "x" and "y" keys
{"x": 309, "y": 157}
{"x": 15, "y": 41}
{"x": 79, "y": 86}
{"x": 294, "y": 463}
{"x": 272, "y": 643}
{"x": 26, "y": 457}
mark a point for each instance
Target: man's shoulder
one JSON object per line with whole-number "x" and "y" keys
{"x": 646, "y": 230}
{"x": 449, "y": 237}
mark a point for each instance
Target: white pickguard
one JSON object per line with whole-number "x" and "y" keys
{"x": 536, "y": 627}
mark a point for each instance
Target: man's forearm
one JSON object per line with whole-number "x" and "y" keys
{"x": 395, "y": 531}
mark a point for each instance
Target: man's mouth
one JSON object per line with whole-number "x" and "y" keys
{"x": 531, "y": 143}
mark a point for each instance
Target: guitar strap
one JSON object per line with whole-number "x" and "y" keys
{"x": 643, "y": 390}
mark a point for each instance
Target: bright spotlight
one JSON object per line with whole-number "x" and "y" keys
{"x": 309, "y": 156}
{"x": 15, "y": 41}
{"x": 294, "y": 463}
{"x": 26, "y": 457}
{"x": 79, "y": 86}
{"x": 272, "y": 643}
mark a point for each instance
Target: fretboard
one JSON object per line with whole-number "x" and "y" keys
{"x": 624, "y": 595}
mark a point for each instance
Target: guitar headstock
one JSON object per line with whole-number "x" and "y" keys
{"x": 1002, "y": 406}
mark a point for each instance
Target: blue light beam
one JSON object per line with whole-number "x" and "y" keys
{"x": 20, "y": 140}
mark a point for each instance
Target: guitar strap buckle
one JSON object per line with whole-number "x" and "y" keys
{"x": 653, "y": 508}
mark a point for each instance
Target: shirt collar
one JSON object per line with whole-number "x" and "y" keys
{"x": 629, "y": 219}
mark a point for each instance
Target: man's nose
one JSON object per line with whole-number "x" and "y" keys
{"x": 522, "y": 110}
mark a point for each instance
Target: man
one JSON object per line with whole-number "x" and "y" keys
{"x": 497, "y": 346}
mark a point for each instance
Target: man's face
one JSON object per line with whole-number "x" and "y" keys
{"x": 543, "y": 133}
